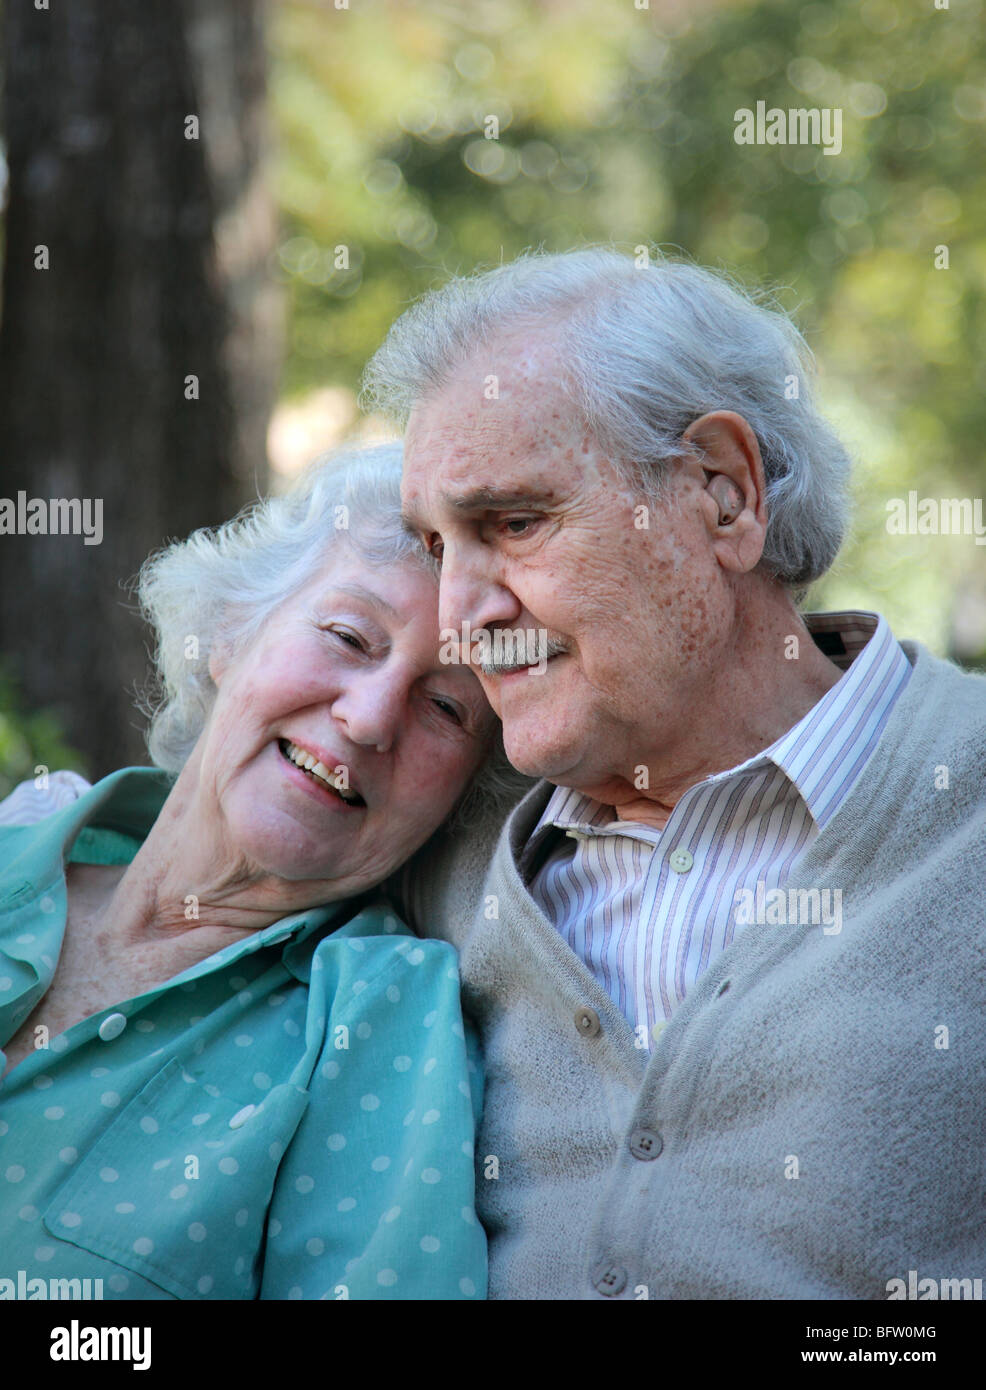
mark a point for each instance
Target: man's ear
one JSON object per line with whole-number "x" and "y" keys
{"x": 733, "y": 487}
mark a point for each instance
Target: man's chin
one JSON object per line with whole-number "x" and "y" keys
{"x": 535, "y": 758}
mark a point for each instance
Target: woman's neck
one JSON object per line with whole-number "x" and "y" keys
{"x": 188, "y": 881}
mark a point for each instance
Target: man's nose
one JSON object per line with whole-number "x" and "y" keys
{"x": 471, "y": 591}
{"x": 372, "y": 707}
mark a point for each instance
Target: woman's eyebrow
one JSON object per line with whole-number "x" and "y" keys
{"x": 367, "y": 596}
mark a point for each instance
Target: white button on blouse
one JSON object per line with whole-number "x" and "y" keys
{"x": 112, "y": 1026}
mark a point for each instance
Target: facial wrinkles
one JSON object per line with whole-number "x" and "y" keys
{"x": 591, "y": 508}
{"x": 416, "y": 747}
{"x": 623, "y": 574}
{"x": 517, "y": 367}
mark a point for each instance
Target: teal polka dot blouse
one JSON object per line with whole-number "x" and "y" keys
{"x": 292, "y": 1118}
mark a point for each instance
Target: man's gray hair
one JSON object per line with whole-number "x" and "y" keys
{"x": 644, "y": 349}
{"x": 221, "y": 586}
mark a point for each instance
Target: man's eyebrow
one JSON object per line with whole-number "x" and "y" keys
{"x": 367, "y": 596}
{"x": 496, "y": 497}
{"x": 482, "y": 499}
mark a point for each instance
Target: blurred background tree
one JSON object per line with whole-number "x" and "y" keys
{"x": 616, "y": 124}
{"x": 416, "y": 140}
{"x": 137, "y": 365}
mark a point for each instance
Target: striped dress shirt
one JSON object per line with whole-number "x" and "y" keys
{"x": 648, "y": 910}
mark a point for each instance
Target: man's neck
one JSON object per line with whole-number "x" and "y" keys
{"x": 764, "y": 694}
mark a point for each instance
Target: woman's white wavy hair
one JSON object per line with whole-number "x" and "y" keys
{"x": 221, "y": 586}
{"x": 645, "y": 348}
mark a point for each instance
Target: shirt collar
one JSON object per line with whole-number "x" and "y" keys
{"x": 862, "y": 645}
{"x": 128, "y": 801}
{"x": 825, "y": 751}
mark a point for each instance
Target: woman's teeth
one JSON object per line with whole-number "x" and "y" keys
{"x": 310, "y": 764}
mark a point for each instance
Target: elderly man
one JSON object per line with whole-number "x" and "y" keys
{"x": 727, "y": 955}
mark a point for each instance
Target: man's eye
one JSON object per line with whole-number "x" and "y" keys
{"x": 436, "y": 548}
{"x": 519, "y": 525}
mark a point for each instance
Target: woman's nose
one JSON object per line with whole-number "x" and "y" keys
{"x": 371, "y": 709}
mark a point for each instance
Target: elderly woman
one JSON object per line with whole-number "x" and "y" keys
{"x": 228, "y": 1073}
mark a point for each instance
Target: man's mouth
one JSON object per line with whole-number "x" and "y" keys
{"x": 318, "y": 772}
{"x": 534, "y": 669}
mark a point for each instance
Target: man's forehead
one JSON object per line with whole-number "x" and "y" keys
{"x": 515, "y": 448}
{"x": 453, "y": 452}
{"x": 493, "y": 388}
{"x": 466, "y": 450}
{"x": 449, "y": 432}
{"x": 517, "y": 358}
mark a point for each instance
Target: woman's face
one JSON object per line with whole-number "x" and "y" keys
{"x": 345, "y": 673}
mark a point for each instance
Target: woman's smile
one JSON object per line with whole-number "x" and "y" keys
{"x": 319, "y": 779}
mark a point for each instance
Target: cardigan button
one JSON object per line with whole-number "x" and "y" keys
{"x": 587, "y": 1022}
{"x": 645, "y": 1144}
{"x": 609, "y": 1279}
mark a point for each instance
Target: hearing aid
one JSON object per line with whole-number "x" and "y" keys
{"x": 727, "y": 496}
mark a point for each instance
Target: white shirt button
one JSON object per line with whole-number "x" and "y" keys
{"x": 112, "y": 1026}
{"x": 681, "y": 861}
{"x": 241, "y": 1116}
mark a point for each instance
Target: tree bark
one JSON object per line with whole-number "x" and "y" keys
{"x": 139, "y": 367}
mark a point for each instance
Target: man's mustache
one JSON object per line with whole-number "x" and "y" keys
{"x": 496, "y": 651}
{"x": 511, "y": 653}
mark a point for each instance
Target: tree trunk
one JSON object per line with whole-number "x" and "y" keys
{"x": 138, "y": 343}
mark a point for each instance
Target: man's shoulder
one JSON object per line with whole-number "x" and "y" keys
{"x": 927, "y": 777}
{"x": 942, "y": 703}
{"x": 941, "y": 671}
{"x": 918, "y": 807}
{"x": 444, "y": 882}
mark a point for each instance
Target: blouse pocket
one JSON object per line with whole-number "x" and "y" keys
{"x": 177, "y": 1188}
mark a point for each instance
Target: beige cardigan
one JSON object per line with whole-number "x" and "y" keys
{"x": 812, "y": 1121}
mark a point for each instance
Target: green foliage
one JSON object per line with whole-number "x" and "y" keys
{"x": 616, "y": 124}
{"x": 29, "y": 741}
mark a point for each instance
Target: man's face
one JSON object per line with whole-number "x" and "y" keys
{"x": 535, "y": 529}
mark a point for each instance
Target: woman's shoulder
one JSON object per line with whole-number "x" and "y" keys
{"x": 61, "y": 817}
{"x": 374, "y": 958}
{"x": 49, "y": 792}
{"x": 375, "y": 930}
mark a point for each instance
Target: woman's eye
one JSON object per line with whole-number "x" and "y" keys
{"x": 350, "y": 638}
{"x": 447, "y": 708}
